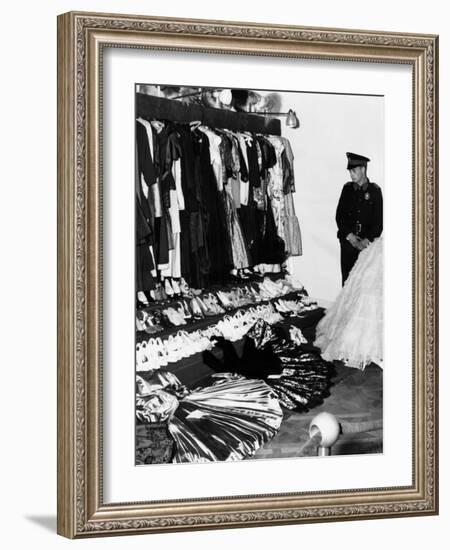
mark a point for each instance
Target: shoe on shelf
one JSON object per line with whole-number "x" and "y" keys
{"x": 242, "y": 276}
{"x": 174, "y": 316}
{"x": 141, "y": 299}
{"x": 184, "y": 342}
{"x": 176, "y": 287}
{"x": 224, "y": 299}
{"x": 205, "y": 309}
{"x": 195, "y": 308}
{"x": 187, "y": 311}
{"x": 185, "y": 289}
{"x": 173, "y": 351}
{"x": 168, "y": 288}
{"x": 141, "y": 320}
{"x": 159, "y": 297}
{"x": 215, "y": 306}
{"x": 293, "y": 282}
{"x": 159, "y": 351}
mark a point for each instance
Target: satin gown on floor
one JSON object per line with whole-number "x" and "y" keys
{"x": 299, "y": 378}
{"x": 225, "y": 421}
{"x": 352, "y": 329}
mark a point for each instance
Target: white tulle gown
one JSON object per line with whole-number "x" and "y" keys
{"x": 352, "y": 329}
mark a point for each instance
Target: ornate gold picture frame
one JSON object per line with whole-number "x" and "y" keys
{"x": 82, "y": 40}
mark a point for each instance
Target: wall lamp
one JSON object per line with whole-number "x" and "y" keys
{"x": 291, "y": 118}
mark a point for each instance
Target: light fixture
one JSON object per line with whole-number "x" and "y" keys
{"x": 291, "y": 118}
{"x": 225, "y": 96}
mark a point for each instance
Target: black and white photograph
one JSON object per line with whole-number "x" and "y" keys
{"x": 258, "y": 273}
{"x": 247, "y": 274}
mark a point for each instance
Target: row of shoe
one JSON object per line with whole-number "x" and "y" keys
{"x": 198, "y": 307}
{"x": 236, "y": 326}
{"x": 178, "y": 288}
{"x": 148, "y": 322}
{"x": 251, "y": 292}
{"x": 180, "y": 312}
{"x": 294, "y": 307}
{"x": 208, "y": 304}
{"x": 166, "y": 290}
{"x": 254, "y": 293}
{"x": 157, "y": 352}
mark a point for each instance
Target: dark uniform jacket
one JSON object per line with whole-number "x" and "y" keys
{"x": 360, "y": 211}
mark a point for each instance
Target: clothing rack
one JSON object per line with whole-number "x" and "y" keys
{"x": 170, "y": 109}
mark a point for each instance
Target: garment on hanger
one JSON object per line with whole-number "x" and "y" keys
{"x": 144, "y": 258}
{"x": 214, "y": 214}
{"x": 214, "y": 153}
{"x": 287, "y": 158}
{"x": 240, "y": 254}
{"x": 247, "y": 211}
{"x": 291, "y": 227}
{"x": 215, "y": 200}
{"x": 174, "y": 262}
{"x": 243, "y": 160}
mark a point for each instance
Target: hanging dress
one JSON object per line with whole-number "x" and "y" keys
{"x": 239, "y": 247}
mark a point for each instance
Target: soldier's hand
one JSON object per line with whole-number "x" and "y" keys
{"x": 354, "y": 240}
{"x": 364, "y": 243}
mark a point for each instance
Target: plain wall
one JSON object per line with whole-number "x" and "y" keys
{"x": 330, "y": 125}
{"x": 28, "y": 275}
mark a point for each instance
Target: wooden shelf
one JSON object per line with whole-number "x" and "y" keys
{"x": 160, "y": 108}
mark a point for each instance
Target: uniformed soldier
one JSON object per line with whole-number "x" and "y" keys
{"x": 359, "y": 214}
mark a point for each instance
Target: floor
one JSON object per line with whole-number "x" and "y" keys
{"x": 356, "y": 397}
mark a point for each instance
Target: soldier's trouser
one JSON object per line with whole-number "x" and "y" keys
{"x": 349, "y": 255}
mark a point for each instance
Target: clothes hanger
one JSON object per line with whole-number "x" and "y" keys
{"x": 231, "y": 133}
{"x": 158, "y": 125}
{"x": 194, "y": 124}
{"x": 248, "y": 137}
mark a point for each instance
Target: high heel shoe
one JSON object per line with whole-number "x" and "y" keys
{"x": 185, "y": 289}
{"x": 168, "y": 288}
{"x": 195, "y": 308}
{"x": 140, "y": 320}
{"x": 224, "y": 300}
{"x": 205, "y": 309}
{"x": 213, "y": 302}
{"x": 187, "y": 312}
{"x": 141, "y": 300}
{"x": 180, "y": 311}
{"x": 176, "y": 287}
{"x": 174, "y": 316}
{"x": 242, "y": 275}
{"x": 159, "y": 297}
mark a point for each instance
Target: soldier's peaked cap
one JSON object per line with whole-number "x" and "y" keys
{"x": 356, "y": 160}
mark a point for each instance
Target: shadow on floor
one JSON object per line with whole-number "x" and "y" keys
{"x": 46, "y": 522}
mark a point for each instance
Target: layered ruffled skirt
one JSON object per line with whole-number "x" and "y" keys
{"x": 352, "y": 329}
